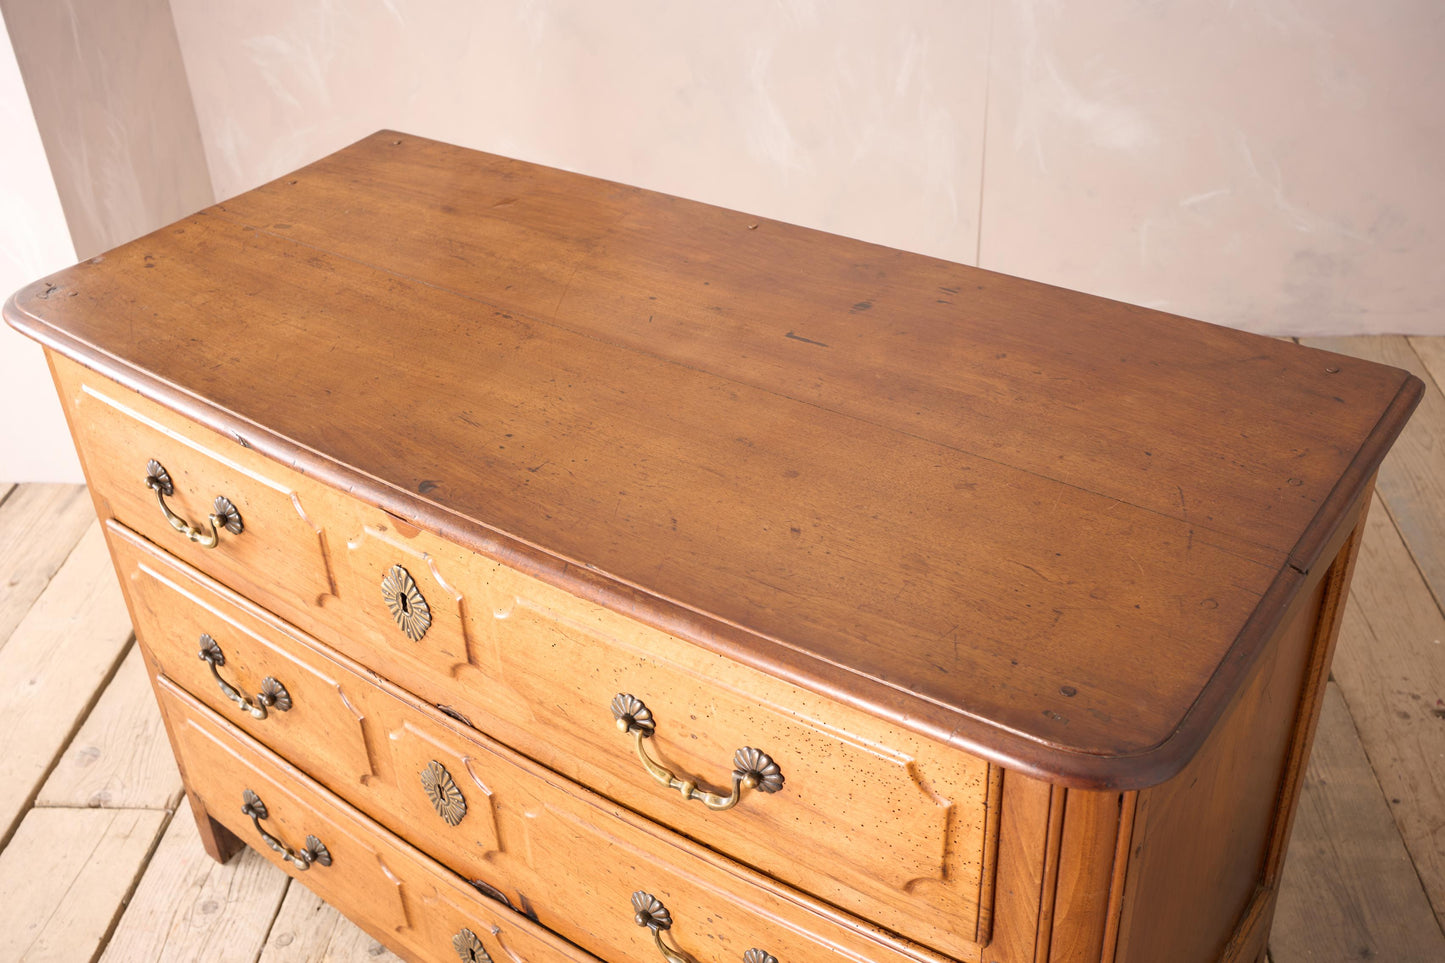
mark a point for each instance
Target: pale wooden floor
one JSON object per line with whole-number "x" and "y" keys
{"x": 100, "y": 858}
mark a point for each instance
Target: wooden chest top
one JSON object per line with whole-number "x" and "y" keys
{"x": 1047, "y": 527}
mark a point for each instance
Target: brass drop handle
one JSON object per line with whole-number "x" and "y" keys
{"x": 273, "y": 694}
{"x": 752, "y": 768}
{"x": 315, "y": 852}
{"x": 648, "y": 911}
{"x": 223, "y": 515}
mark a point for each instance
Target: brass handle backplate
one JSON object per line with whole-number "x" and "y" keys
{"x": 648, "y": 911}
{"x": 273, "y": 694}
{"x": 469, "y": 947}
{"x": 315, "y": 852}
{"x": 752, "y": 768}
{"x": 224, "y": 514}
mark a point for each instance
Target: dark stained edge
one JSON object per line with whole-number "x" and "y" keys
{"x": 1311, "y": 547}
{"x": 950, "y": 725}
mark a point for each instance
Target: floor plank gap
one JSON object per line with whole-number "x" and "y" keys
{"x": 189, "y": 907}
{"x": 92, "y": 860}
{"x": 40, "y": 525}
{"x": 1350, "y": 890}
{"x": 130, "y": 893}
{"x": 120, "y": 758}
{"x": 57, "y": 662}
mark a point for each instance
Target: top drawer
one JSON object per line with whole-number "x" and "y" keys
{"x": 243, "y": 518}
{"x": 867, "y": 816}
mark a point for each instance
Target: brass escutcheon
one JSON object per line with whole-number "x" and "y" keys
{"x": 469, "y": 947}
{"x": 406, "y": 603}
{"x": 446, "y": 798}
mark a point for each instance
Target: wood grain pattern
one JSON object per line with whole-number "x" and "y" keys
{"x": 39, "y": 525}
{"x": 1412, "y": 479}
{"x": 91, "y": 861}
{"x": 1081, "y": 707}
{"x": 967, "y": 357}
{"x": 395, "y": 892}
{"x": 509, "y": 799}
{"x": 308, "y": 930}
{"x": 188, "y": 907}
{"x": 744, "y": 464}
{"x": 1350, "y": 890}
{"x": 1390, "y": 667}
{"x": 1087, "y": 846}
{"x": 120, "y": 758}
{"x": 69, "y": 642}
{"x": 1205, "y": 843}
{"x": 279, "y": 543}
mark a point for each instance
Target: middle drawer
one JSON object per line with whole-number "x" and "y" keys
{"x": 546, "y": 846}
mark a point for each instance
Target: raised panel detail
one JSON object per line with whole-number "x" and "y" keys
{"x": 371, "y": 554}
{"x": 390, "y": 889}
{"x": 860, "y": 816}
{"x": 413, "y": 746}
{"x": 172, "y": 608}
{"x": 555, "y": 833}
{"x": 282, "y": 550}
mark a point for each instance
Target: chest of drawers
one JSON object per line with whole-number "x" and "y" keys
{"x": 545, "y": 569}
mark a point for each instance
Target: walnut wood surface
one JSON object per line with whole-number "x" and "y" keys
{"x": 996, "y": 511}
{"x": 1213, "y": 838}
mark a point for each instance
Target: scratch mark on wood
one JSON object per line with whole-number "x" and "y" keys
{"x": 799, "y": 337}
{"x": 565, "y": 288}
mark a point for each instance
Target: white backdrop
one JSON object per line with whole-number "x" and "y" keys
{"x": 34, "y": 443}
{"x": 1272, "y": 165}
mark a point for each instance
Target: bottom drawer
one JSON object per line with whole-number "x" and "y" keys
{"x": 607, "y": 881}
{"x": 401, "y": 897}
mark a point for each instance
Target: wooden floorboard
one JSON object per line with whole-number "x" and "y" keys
{"x": 1350, "y": 890}
{"x": 39, "y": 525}
{"x": 189, "y": 908}
{"x": 65, "y": 875}
{"x": 309, "y": 931}
{"x": 1390, "y": 667}
{"x": 1412, "y": 480}
{"x": 120, "y": 758}
{"x": 54, "y": 665}
{"x": 83, "y": 754}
